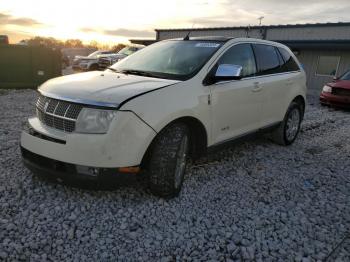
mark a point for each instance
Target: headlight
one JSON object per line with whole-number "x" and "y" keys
{"x": 94, "y": 121}
{"x": 327, "y": 89}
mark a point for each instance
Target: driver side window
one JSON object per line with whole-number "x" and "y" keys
{"x": 242, "y": 55}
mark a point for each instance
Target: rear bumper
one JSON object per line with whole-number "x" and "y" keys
{"x": 334, "y": 100}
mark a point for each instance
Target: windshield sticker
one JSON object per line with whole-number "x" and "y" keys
{"x": 211, "y": 45}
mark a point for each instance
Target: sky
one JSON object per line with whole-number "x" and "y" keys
{"x": 113, "y": 21}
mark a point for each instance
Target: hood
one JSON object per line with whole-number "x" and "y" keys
{"x": 103, "y": 87}
{"x": 85, "y": 58}
{"x": 340, "y": 84}
{"x": 107, "y": 55}
{"x": 114, "y": 56}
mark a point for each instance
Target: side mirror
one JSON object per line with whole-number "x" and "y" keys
{"x": 228, "y": 72}
{"x": 335, "y": 78}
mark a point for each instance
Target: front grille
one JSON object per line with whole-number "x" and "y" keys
{"x": 58, "y": 114}
{"x": 340, "y": 91}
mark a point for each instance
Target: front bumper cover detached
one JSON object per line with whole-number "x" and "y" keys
{"x": 66, "y": 172}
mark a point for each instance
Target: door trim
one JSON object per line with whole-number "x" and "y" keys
{"x": 243, "y": 137}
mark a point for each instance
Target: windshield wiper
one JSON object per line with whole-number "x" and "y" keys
{"x": 114, "y": 70}
{"x": 139, "y": 73}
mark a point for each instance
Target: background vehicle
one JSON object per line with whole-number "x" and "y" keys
{"x": 108, "y": 60}
{"x": 337, "y": 93}
{"x": 90, "y": 62}
{"x": 169, "y": 101}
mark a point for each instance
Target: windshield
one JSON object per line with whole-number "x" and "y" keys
{"x": 178, "y": 59}
{"x": 346, "y": 76}
{"x": 94, "y": 54}
{"x": 128, "y": 50}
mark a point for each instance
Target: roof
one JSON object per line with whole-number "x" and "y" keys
{"x": 206, "y": 38}
{"x": 257, "y": 27}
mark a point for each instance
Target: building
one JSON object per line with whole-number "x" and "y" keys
{"x": 323, "y": 49}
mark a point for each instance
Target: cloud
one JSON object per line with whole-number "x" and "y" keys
{"x": 282, "y": 12}
{"x": 129, "y": 32}
{"x": 120, "y": 32}
{"x": 6, "y": 19}
{"x": 88, "y": 30}
{"x": 224, "y": 13}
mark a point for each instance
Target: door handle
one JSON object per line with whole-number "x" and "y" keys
{"x": 257, "y": 87}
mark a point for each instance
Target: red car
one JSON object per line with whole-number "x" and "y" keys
{"x": 337, "y": 93}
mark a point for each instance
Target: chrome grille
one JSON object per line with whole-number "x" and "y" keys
{"x": 58, "y": 114}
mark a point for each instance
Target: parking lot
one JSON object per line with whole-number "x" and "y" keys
{"x": 252, "y": 201}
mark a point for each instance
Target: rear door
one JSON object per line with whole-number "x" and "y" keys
{"x": 236, "y": 105}
{"x": 273, "y": 82}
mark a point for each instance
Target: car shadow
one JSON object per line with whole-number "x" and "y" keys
{"x": 108, "y": 183}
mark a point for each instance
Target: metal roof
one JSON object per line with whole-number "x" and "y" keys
{"x": 143, "y": 41}
{"x": 257, "y": 27}
{"x": 317, "y": 44}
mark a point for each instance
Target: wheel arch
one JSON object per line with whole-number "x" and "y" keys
{"x": 198, "y": 137}
{"x": 300, "y": 100}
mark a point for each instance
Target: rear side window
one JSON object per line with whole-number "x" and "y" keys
{"x": 242, "y": 55}
{"x": 289, "y": 62}
{"x": 267, "y": 59}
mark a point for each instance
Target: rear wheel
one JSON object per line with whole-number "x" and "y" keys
{"x": 289, "y": 129}
{"x": 168, "y": 159}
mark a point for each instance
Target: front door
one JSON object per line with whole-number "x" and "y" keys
{"x": 236, "y": 105}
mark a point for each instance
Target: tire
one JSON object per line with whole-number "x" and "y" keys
{"x": 286, "y": 133}
{"x": 168, "y": 159}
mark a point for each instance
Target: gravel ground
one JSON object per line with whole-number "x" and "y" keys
{"x": 253, "y": 201}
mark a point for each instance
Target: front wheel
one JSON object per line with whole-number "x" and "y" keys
{"x": 289, "y": 129}
{"x": 168, "y": 159}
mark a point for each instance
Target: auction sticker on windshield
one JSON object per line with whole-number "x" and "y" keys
{"x": 213, "y": 45}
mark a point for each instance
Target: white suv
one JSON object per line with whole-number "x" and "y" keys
{"x": 168, "y": 101}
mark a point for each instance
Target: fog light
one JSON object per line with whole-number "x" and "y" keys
{"x": 86, "y": 170}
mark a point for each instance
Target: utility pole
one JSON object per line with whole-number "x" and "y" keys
{"x": 260, "y": 19}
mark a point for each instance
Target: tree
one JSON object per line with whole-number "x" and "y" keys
{"x": 45, "y": 41}
{"x": 73, "y": 43}
{"x": 69, "y": 43}
{"x": 93, "y": 44}
{"x": 118, "y": 47}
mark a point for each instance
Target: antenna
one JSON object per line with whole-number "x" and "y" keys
{"x": 247, "y": 31}
{"x": 187, "y": 37}
{"x": 260, "y": 19}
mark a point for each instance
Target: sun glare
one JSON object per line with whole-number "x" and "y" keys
{"x": 98, "y": 21}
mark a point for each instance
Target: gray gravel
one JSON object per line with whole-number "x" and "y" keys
{"x": 253, "y": 201}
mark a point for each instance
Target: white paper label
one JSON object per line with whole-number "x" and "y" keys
{"x": 210, "y": 45}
